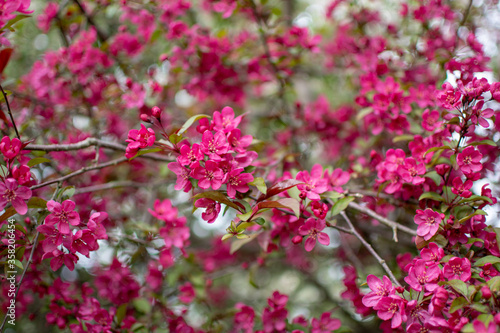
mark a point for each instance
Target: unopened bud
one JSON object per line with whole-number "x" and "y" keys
{"x": 400, "y": 289}
{"x": 297, "y": 239}
{"x": 156, "y": 112}
{"x": 145, "y": 118}
{"x": 486, "y": 292}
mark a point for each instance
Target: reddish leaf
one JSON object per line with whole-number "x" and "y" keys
{"x": 279, "y": 188}
{"x": 220, "y": 197}
{"x": 282, "y": 203}
{"x": 4, "y": 58}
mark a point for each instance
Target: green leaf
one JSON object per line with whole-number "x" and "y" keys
{"x": 434, "y": 176}
{"x": 487, "y": 260}
{"x": 341, "y": 205}
{"x": 121, "y": 311}
{"x": 431, "y": 195}
{"x": 459, "y": 286}
{"x": 145, "y": 151}
{"x": 219, "y": 197}
{"x": 259, "y": 221}
{"x": 484, "y": 142}
{"x": 477, "y": 212}
{"x": 475, "y": 198}
{"x": 363, "y": 113}
{"x": 237, "y": 244}
{"x": 36, "y": 202}
{"x": 404, "y": 137}
{"x": 19, "y": 264}
{"x": 190, "y": 122}
{"x": 260, "y": 183}
{"x": 457, "y": 304}
{"x": 68, "y": 192}
{"x": 245, "y": 216}
{"x": 494, "y": 283}
{"x": 13, "y": 21}
{"x": 480, "y": 307}
{"x": 436, "y": 149}
{"x": 142, "y": 305}
{"x": 226, "y": 236}
{"x": 38, "y": 160}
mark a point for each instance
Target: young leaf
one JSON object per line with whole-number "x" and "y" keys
{"x": 341, "y": 205}
{"x": 190, "y": 122}
{"x": 279, "y": 187}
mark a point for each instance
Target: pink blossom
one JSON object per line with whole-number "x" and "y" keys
{"x": 209, "y": 176}
{"x": 137, "y": 139}
{"x": 315, "y": 184}
{"x": 10, "y": 148}
{"x": 22, "y": 174}
{"x": 337, "y": 179}
{"x": 214, "y": 145}
{"x": 53, "y": 238}
{"x": 11, "y": 193}
{"x": 320, "y": 209}
{"x": 186, "y": 293}
{"x": 163, "y": 210}
{"x": 237, "y": 142}
{"x": 380, "y": 288}
{"x": 190, "y": 155}
{"x": 225, "y": 120}
{"x": 439, "y": 299}
{"x": 421, "y": 276}
{"x": 325, "y": 324}
{"x": 460, "y": 188}
{"x": 448, "y": 97}
{"x": 212, "y": 209}
{"x": 428, "y": 222}
{"x": 312, "y": 229}
{"x": 469, "y": 160}
{"x": 430, "y": 120}
{"x": 274, "y": 320}
{"x": 391, "y": 307}
{"x": 237, "y": 181}
{"x": 457, "y": 268}
{"x": 63, "y": 215}
{"x": 175, "y": 235}
{"x": 244, "y": 319}
{"x": 182, "y": 173}
{"x": 117, "y": 284}
{"x": 432, "y": 253}
{"x": 47, "y": 16}
{"x": 60, "y": 258}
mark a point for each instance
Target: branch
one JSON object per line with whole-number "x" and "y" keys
{"x": 392, "y": 224}
{"x": 107, "y": 186}
{"x": 10, "y": 112}
{"x": 371, "y": 250}
{"x": 79, "y": 172}
{"x": 93, "y": 142}
{"x": 100, "y": 34}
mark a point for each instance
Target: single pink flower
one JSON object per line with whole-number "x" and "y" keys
{"x": 225, "y": 120}
{"x": 325, "y": 324}
{"x": 419, "y": 276}
{"x": 462, "y": 188}
{"x": 212, "y": 209}
{"x": 428, "y": 222}
{"x": 182, "y": 173}
{"x": 11, "y": 193}
{"x": 63, "y": 215}
{"x": 209, "y": 176}
{"x": 186, "y": 293}
{"x": 391, "y": 307}
{"x": 237, "y": 182}
{"x": 457, "y": 268}
{"x": 380, "y": 288}
{"x": 137, "y": 139}
{"x": 469, "y": 160}
{"x": 10, "y": 148}
{"x": 315, "y": 184}
{"x": 214, "y": 145}
{"x": 190, "y": 155}
{"x": 312, "y": 229}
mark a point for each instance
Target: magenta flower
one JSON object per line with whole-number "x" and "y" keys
{"x": 428, "y": 222}
{"x": 380, "y": 288}
{"x": 190, "y": 155}
{"x": 277, "y": 300}
{"x": 212, "y": 209}
{"x": 244, "y": 319}
{"x": 186, "y": 293}
{"x": 391, "y": 307}
{"x": 430, "y": 120}
{"x": 60, "y": 258}
{"x": 182, "y": 173}
{"x": 225, "y": 120}
{"x": 480, "y": 115}
{"x": 274, "y": 320}
{"x": 312, "y": 229}
{"x": 163, "y": 210}
{"x": 421, "y": 276}
{"x": 469, "y": 160}
{"x": 337, "y": 179}
{"x": 480, "y": 327}
{"x": 210, "y": 175}
{"x": 432, "y": 253}
{"x": 53, "y": 238}
{"x": 460, "y": 188}
{"x": 448, "y": 97}
{"x": 457, "y": 268}
{"x": 237, "y": 182}
{"x": 237, "y": 142}
{"x": 410, "y": 171}
{"x": 10, "y": 148}
{"x": 438, "y": 300}
{"x": 16, "y": 196}
{"x": 325, "y": 324}
{"x": 175, "y": 236}
{"x": 137, "y": 139}
{"x": 315, "y": 184}
{"x": 320, "y": 209}
{"x": 63, "y": 215}
{"x": 214, "y": 145}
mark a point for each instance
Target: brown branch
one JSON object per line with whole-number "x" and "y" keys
{"x": 93, "y": 142}
{"x": 102, "y": 36}
{"x": 10, "y": 112}
{"x": 79, "y": 172}
{"x": 371, "y": 250}
{"x": 392, "y": 224}
{"x": 108, "y": 186}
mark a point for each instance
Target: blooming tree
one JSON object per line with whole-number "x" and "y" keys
{"x": 248, "y": 166}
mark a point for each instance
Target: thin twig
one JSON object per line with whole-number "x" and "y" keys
{"x": 100, "y": 34}
{"x": 392, "y": 224}
{"x": 371, "y": 250}
{"x": 108, "y": 186}
{"x": 10, "y": 112}
{"x": 89, "y": 142}
{"x": 79, "y": 172}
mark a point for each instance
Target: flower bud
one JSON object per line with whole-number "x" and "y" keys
{"x": 486, "y": 292}
{"x": 297, "y": 239}
{"x": 156, "y": 112}
{"x": 145, "y": 118}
